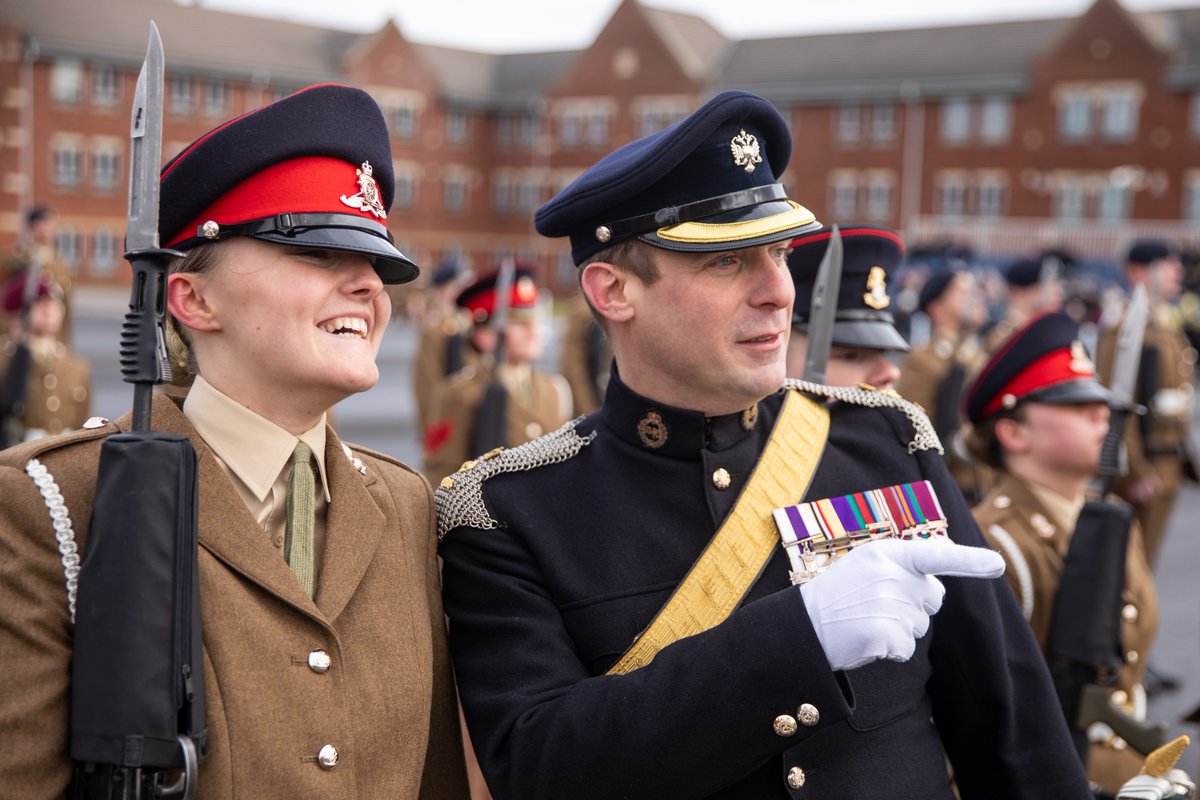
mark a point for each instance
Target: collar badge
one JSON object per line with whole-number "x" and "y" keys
{"x": 368, "y": 198}
{"x": 877, "y": 296}
{"x": 652, "y": 430}
{"x": 744, "y": 147}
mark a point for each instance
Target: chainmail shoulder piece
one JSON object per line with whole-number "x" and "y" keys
{"x": 924, "y": 438}
{"x": 459, "y": 497}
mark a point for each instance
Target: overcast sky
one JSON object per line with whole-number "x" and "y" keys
{"x": 524, "y": 25}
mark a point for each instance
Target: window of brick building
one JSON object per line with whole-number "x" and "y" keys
{"x": 406, "y": 189}
{"x": 956, "y": 120}
{"x": 528, "y": 196}
{"x": 995, "y": 119}
{"x": 179, "y": 94}
{"x": 1191, "y": 197}
{"x": 106, "y": 166}
{"x": 66, "y": 80}
{"x": 597, "y": 128}
{"x": 105, "y": 89}
{"x": 573, "y": 123}
{"x": 951, "y": 196}
{"x": 216, "y": 97}
{"x": 454, "y": 198}
{"x": 1119, "y": 120}
{"x": 990, "y": 198}
{"x": 1195, "y": 116}
{"x": 1113, "y": 202}
{"x": 402, "y": 120}
{"x": 502, "y": 194}
{"x": 68, "y": 162}
{"x": 456, "y": 126}
{"x": 104, "y": 252}
{"x": 652, "y": 116}
{"x": 843, "y": 195}
{"x": 883, "y": 122}
{"x": 1069, "y": 200}
{"x": 880, "y": 191}
{"x": 66, "y": 242}
{"x": 1075, "y": 116}
{"x": 847, "y": 122}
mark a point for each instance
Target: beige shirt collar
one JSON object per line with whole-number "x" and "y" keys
{"x": 252, "y": 447}
{"x": 1063, "y": 511}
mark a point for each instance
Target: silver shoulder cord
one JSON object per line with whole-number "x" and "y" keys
{"x": 64, "y": 532}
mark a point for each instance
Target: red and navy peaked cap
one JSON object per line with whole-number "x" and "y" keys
{"x": 1044, "y": 362}
{"x": 313, "y": 169}
{"x": 870, "y": 256}
{"x": 707, "y": 183}
{"x": 14, "y": 291}
{"x": 480, "y": 297}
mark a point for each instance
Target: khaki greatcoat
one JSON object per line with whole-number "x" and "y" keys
{"x": 1011, "y": 516}
{"x": 387, "y": 703}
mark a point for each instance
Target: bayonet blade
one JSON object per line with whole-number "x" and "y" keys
{"x": 145, "y": 149}
{"x": 823, "y": 309}
{"x": 1129, "y": 347}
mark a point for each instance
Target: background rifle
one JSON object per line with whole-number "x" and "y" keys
{"x": 137, "y": 680}
{"x": 14, "y": 386}
{"x": 491, "y": 420}
{"x": 823, "y": 309}
{"x": 1084, "y": 645}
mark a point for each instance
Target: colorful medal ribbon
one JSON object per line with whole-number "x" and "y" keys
{"x": 815, "y": 533}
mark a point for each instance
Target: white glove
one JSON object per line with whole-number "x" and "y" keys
{"x": 875, "y": 601}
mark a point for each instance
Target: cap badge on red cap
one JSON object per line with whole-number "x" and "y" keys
{"x": 877, "y": 296}
{"x": 745, "y": 151}
{"x": 1080, "y": 362}
{"x": 367, "y": 198}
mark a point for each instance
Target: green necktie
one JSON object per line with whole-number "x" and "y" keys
{"x": 298, "y": 547}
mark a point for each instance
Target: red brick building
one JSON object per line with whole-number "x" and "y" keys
{"x": 1079, "y": 132}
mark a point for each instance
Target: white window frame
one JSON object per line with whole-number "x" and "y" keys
{"x": 1075, "y": 121}
{"x": 995, "y": 119}
{"x": 454, "y": 194}
{"x": 843, "y": 196}
{"x": 1119, "y": 115}
{"x": 106, "y": 167}
{"x": 951, "y": 196}
{"x": 1114, "y": 203}
{"x": 180, "y": 94}
{"x": 216, "y": 97}
{"x": 66, "y": 81}
{"x": 955, "y": 120}
{"x": 106, "y": 85}
{"x": 1070, "y": 200}
{"x": 104, "y": 251}
{"x": 847, "y": 122}
{"x": 883, "y": 122}
{"x": 67, "y": 167}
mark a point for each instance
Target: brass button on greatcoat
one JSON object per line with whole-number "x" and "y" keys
{"x": 808, "y": 715}
{"x": 277, "y": 540}
{"x": 327, "y": 757}
{"x": 720, "y": 478}
{"x": 1131, "y": 657}
{"x": 785, "y": 725}
{"x": 319, "y": 661}
{"x": 1129, "y": 613}
{"x": 796, "y": 778}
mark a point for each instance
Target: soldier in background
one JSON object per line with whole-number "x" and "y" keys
{"x": 39, "y": 251}
{"x": 55, "y": 394}
{"x": 443, "y": 349}
{"x": 1157, "y": 440}
{"x": 535, "y": 402}
{"x": 1039, "y": 417}
{"x": 865, "y": 339}
{"x": 935, "y": 374}
{"x": 586, "y": 357}
{"x": 1034, "y": 287}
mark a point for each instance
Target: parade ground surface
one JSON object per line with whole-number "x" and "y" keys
{"x": 384, "y": 419}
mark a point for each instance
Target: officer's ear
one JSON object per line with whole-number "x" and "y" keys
{"x": 1012, "y": 435}
{"x": 610, "y": 290}
{"x": 187, "y": 302}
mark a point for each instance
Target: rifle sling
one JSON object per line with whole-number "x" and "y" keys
{"x": 745, "y": 542}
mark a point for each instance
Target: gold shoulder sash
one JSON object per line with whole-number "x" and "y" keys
{"x": 740, "y": 549}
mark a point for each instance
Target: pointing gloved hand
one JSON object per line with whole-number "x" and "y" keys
{"x": 875, "y": 601}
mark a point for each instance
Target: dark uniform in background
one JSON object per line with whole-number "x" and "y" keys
{"x": 1031, "y": 290}
{"x": 558, "y": 553}
{"x": 1031, "y": 525}
{"x": 535, "y": 402}
{"x": 1157, "y": 441}
{"x": 342, "y": 693}
{"x": 58, "y": 386}
{"x": 865, "y": 339}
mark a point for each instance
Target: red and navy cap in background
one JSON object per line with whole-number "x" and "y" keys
{"x": 707, "y": 183}
{"x": 14, "y": 290}
{"x": 480, "y": 297}
{"x": 870, "y": 255}
{"x": 313, "y": 169}
{"x": 1044, "y": 362}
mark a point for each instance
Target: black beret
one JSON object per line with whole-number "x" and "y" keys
{"x": 707, "y": 183}
{"x": 314, "y": 169}
{"x": 870, "y": 254}
{"x": 934, "y": 287}
{"x": 37, "y": 214}
{"x": 447, "y": 271}
{"x": 1147, "y": 251}
{"x": 1024, "y": 272}
{"x": 1043, "y": 362}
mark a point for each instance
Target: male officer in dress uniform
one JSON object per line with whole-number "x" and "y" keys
{"x": 532, "y": 402}
{"x": 1156, "y": 441}
{"x": 1040, "y": 417}
{"x": 58, "y": 385}
{"x": 443, "y": 348}
{"x": 1034, "y": 286}
{"x": 935, "y": 374}
{"x": 325, "y": 663}
{"x": 622, "y": 619}
{"x": 40, "y": 251}
{"x": 865, "y": 339}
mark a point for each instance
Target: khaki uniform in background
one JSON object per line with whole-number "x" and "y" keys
{"x": 1168, "y": 420}
{"x": 1032, "y": 529}
{"x": 922, "y": 375}
{"x": 59, "y": 392}
{"x": 54, "y": 268}
{"x": 430, "y": 367}
{"x": 586, "y": 358}
{"x": 538, "y": 403}
{"x": 387, "y": 700}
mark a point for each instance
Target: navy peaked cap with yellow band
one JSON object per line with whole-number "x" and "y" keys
{"x": 707, "y": 183}
{"x": 1044, "y": 362}
{"x": 870, "y": 256}
{"x": 313, "y": 169}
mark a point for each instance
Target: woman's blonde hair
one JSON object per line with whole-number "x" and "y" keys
{"x": 184, "y": 367}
